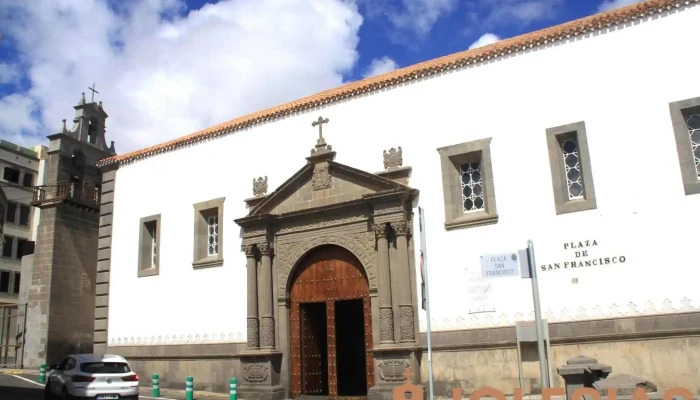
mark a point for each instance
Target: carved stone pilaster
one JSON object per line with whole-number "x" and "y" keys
{"x": 408, "y": 333}
{"x": 386, "y": 315}
{"x": 267, "y": 319}
{"x": 386, "y": 325}
{"x": 252, "y": 296}
{"x": 253, "y": 334}
{"x": 267, "y": 336}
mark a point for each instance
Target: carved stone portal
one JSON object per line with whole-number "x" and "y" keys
{"x": 365, "y": 214}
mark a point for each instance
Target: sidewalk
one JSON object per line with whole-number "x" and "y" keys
{"x": 144, "y": 391}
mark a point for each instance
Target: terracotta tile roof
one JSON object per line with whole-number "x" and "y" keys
{"x": 414, "y": 72}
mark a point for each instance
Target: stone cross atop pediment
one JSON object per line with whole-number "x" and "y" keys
{"x": 322, "y": 151}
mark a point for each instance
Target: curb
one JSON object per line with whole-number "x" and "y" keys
{"x": 198, "y": 394}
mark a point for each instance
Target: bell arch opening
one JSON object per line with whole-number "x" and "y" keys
{"x": 330, "y": 325}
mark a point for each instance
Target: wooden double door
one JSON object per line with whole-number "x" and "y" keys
{"x": 331, "y": 327}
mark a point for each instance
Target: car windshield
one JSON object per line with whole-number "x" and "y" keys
{"x": 105, "y": 368}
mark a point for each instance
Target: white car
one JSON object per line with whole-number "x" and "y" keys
{"x": 97, "y": 376}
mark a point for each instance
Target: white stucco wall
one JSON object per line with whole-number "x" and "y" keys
{"x": 620, "y": 83}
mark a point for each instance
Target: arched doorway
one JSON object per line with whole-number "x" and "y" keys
{"x": 331, "y": 326}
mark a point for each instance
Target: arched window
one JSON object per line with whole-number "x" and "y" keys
{"x": 92, "y": 130}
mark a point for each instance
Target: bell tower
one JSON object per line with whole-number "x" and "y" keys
{"x": 61, "y": 298}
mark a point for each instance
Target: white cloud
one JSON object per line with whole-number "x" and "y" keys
{"x": 16, "y": 118}
{"x": 490, "y": 14}
{"x": 380, "y": 66}
{"x": 485, "y": 40}
{"x": 608, "y": 5}
{"x": 161, "y": 78}
{"x": 414, "y": 16}
{"x": 8, "y": 73}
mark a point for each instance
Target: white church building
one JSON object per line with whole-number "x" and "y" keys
{"x": 294, "y": 265}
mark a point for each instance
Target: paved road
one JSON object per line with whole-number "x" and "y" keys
{"x": 13, "y": 388}
{"x": 26, "y": 387}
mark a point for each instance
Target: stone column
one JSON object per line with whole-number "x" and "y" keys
{"x": 386, "y": 314}
{"x": 267, "y": 316}
{"x": 404, "y": 290}
{"x": 251, "y": 266}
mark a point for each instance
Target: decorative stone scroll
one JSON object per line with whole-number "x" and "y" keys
{"x": 259, "y": 186}
{"x": 393, "y": 370}
{"x": 255, "y": 372}
{"x": 321, "y": 178}
{"x": 393, "y": 158}
{"x": 400, "y": 227}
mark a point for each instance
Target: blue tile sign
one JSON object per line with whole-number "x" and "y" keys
{"x": 500, "y": 265}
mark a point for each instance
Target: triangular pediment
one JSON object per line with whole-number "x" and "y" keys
{"x": 324, "y": 184}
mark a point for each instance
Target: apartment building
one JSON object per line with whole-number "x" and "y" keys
{"x": 21, "y": 169}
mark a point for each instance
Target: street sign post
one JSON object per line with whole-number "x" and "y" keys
{"x": 424, "y": 273}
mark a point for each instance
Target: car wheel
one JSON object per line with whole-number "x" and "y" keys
{"x": 65, "y": 395}
{"x": 47, "y": 392}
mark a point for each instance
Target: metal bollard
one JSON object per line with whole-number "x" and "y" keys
{"x": 42, "y": 373}
{"x": 156, "y": 386}
{"x": 233, "y": 389}
{"x": 189, "y": 388}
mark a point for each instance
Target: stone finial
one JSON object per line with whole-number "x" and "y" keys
{"x": 82, "y": 99}
{"x": 259, "y": 186}
{"x": 64, "y": 129}
{"x": 393, "y": 158}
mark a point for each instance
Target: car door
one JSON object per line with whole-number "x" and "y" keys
{"x": 67, "y": 374}
{"x": 56, "y": 380}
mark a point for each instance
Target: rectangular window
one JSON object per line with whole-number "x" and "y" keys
{"x": 472, "y": 187}
{"x": 5, "y": 281}
{"x": 11, "y": 213}
{"x": 570, "y": 165}
{"x": 10, "y": 175}
{"x": 149, "y": 246}
{"x": 685, "y": 117}
{"x": 16, "y": 283}
{"x": 24, "y": 214}
{"x": 467, "y": 182}
{"x": 20, "y": 248}
{"x": 208, "y": 233}
{"x": 28, "y": 180}
{"x": 8, "y": 247}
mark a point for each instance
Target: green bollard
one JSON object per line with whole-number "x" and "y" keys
{"x": 156, "y": 386}
{"x": 42, "y": 373}
{"x": 189, "y": 388}
{"x": 233, "y": 386}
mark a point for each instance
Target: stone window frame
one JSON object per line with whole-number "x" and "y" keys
{"x": 555, "y": 135}
{"x": 145, "y": 249}
{"x": 200, "y": 258}
{"x": 451, "y": 158}
{"x": 679, "y": 110}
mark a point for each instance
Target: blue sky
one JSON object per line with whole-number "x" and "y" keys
{"x": 166, "y": 68}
